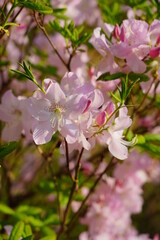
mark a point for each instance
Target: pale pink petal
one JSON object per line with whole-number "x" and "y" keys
{"x": 122, "y": 123}
{"x": 43, "y": 132}
{"x": 69, "y": 130}
{"x": 117, "y": 149}
{"x": 4, "y": 114}
{"x": 39, "y": 108}
{"x": 97, "y": 99}
{"x": 54, "y": 93}
{"x": 99, "y": 42}
{"x": 12, "y": 132}
{"x": 108, "y": 28}
{"x": 135, "y": 64}
{"x": 121, "y": 50}
{"x": 84, "y": 142}
{"x": 70, "y": 83}
{"x": 9, "y": 101}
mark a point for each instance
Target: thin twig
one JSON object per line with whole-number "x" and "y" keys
{"x": 74, "y": 186}
{"x": 67, "y": 158}
{"x": 145, "y": 96}
{"x": 110, "y": 164}
{"x": 49, "y": 40}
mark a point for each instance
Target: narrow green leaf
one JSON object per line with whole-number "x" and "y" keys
{"x": 53, "y": 219}
{"x": 107, "y": 76}
{"x": 30, "y": 210}
{"x": 152, "y": 137}
{"x": 22, "y": 74}
{"x": 52, "y": 237}
{"x": 7, "y": 149}
{"x": 17, "y": 231}
{"x": 38, "y": 6}
{"x": 131, "y": 86}
{"x": 5, "y": 209}
{"x": 142, "y": 77}
{"x": 27, "y": 230}
{"x": 28, "y": 238}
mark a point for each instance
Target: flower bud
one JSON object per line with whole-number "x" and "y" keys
{"x": 101, "y": 119}
{"x": 110, "y": 108}
{"x": 116, "y": 32}
{"x": 158, "y": 40}
{"x": 122, "y": 34}
{"x": 154, "y": 52}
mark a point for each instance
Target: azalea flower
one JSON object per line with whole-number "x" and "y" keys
{"x": 14, "y": 113}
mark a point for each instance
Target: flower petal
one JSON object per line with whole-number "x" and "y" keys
{"x": 117, "y": 149}
{"x": 43, "y": 132}
{"x": 54, "y": 93}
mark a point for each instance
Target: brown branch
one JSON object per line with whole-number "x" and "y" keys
{"x": 110, "y": 164}
{"x": 41, "y": 26}
{"x": 74, "y": 186}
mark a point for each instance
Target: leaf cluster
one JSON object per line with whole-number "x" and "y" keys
{"x": 76, "y": 35}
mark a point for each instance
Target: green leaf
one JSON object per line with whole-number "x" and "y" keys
{"x": 7, "y": 148}
{"x": 5, "y": 209}
{"x": 51, "y": 237}
{"x": 17, "y": 231}
{"x": 142, "y": 77}
{"x": 52, "y": 219}
{"x": 3, "y": 63}
{"x": 27, "y": 231}
{"x": 48, "y": 70}
{"x": 21, "y": 74}
{"x": 152, "y": 137}
{"x": 28, "y": 238}
{"x": 108, "y": 77}
{"x": 38, "y": 6}
{"x": 151, "y": 148}
{"x": 48, "y": 231}
{"x": 30, "y": 210}
{"x": 131, "y": 86}
{"x": 35, "y": 222}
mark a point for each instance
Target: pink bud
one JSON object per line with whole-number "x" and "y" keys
{"x": 158, "y": 40}
{"x": 87, "y": 106}
{"x": 116, "y": 32}
{"x": 154, "y": 52}
{"x": 110, "y": 108}
{"x": 156, "y": 237}
{"x": 101, "y": 118}
{"x": 91, "y": 72}
{"x": 119, "y": 183}
{"x": 122, "y": 34}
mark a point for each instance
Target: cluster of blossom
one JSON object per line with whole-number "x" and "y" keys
{"x": 74, "y": 108}
{"x": 125, "y": 48}
{"x": 117, "y": 198}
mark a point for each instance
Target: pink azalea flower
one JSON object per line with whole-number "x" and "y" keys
{"x": 14, "y": 113}
{"x": 113, "y": 136}
{"x": 52, "y": 110}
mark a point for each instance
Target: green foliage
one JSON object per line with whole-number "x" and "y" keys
{"x": 108, "y": 77}
{"x": 17, "y": 231}
{"x": 150, "y": 143}
{"x": 131, "y": 76}
{"x": 5, "y": 209}
{"x": 46, "y": 71}
{"x": 3, "y": 63}
{"x": 72, "y": 33}
{"x": 36, "y": 5}
{"x": 7, "y": 148}
{"x": 28, "y": 74}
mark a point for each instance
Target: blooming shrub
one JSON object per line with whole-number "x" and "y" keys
{"x": 80, "y": 120}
